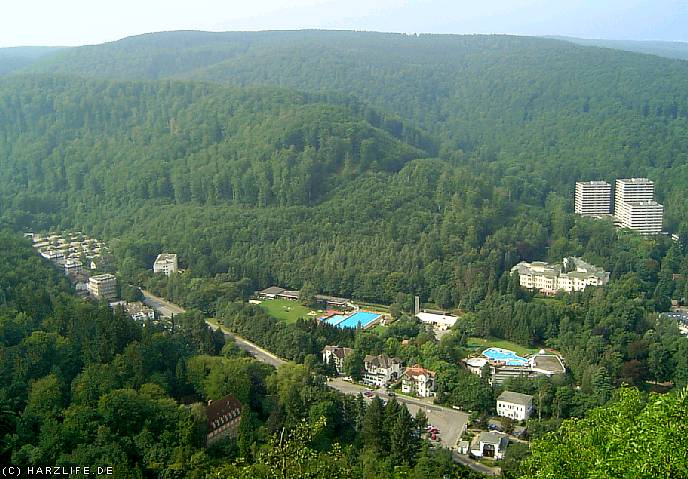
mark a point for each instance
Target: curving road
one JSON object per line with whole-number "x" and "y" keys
{"x": 450, "y": 422}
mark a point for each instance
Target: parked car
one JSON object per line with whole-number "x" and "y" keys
{"x": 368, "y": 393}
{"x": 391, "y": 394}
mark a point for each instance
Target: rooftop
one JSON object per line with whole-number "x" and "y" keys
{"x": 516, "y": 398}
{"x": 381, "y": 361}
{"x": 495, "y": 438}
{"x": 273, "y": 290}
{"x": 417, "y": 370}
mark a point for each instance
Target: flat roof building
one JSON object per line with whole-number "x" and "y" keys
{"x": 645, "y": 217}
{"x": 593, "y": 198}
{"x": 103, "y": 286}
{"x": 165, "y": 263}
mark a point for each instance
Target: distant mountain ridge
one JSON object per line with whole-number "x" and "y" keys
{"x": 17, "y": 58}
{"x": 677, "y": 50}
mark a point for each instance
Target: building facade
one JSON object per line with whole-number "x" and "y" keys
{"x": 103, "y": 286}
{"x": 223, "y": 417}
{"x": 492, "y": 445}
{"x": 645, "y": 217}
{"x": 593, "y": 198}
{"x": 381, "y": 370}
{"x": 336, "y": 355}
{"x": 573, "y": 274}
{"x": 515, "y": 405}
{"x": 419, "y": 381}
{"x": 635, "y": 208}
{"x": 166, "y": 263}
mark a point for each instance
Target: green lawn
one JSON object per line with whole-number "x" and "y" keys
{"x": 285, "y": 310}
{"x": 480, "y": 343}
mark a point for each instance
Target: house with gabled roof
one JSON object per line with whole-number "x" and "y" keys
{"x": 418, "y": 380}
{"x": 381, "y": 370}
{"x": 223, "y": 416}
{"x": 336, "y": 355}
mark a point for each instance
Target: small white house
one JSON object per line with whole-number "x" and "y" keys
{"x": 492, "y": 445}
{"x": 516, "y": 406}
{"x": 381, "y": 370}
{"x": 419, "y": 381}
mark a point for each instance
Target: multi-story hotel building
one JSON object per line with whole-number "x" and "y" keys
{"x": 593, "y": 198}
{"x": 573, "y": 274}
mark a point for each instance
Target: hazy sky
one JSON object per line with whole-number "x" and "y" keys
{"x": 78, "y": 22}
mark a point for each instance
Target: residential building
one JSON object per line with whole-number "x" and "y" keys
{"x": 164, "y": 263}
{"x": 223, "y": 417}
{"x": 516, "y": 406}
{"x": 491, "y": 444}
{"x": 419, "y": 381}
{"x": 593, "y": 198}
{"x": 436, "y": 319}
{"x": 381, "y": 370}
{"x": 103, "y": 286}
{"x": 53, "y": 255}
{"x": 336, "y": 355}
{"x": 645, "y": 217}
{"x": 573, "y": 274}
{"x": 73, "y": 266}
{"x": 633, "y": 189}
{"x": 635, "y": 208}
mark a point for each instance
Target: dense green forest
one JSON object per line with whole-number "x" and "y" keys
{"x": 542, "y": 113}
{"x": 372, "y": 166}
{"x": 83, "y": 385}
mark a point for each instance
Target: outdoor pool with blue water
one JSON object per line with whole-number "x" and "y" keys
{"x": 363, "y": 317}
{"x": 509, "y": 358}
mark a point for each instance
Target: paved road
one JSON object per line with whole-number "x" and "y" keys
{"x": 262, "y": 355}
{"x": 450, "y": 422}
{"x": 165, "y": 308}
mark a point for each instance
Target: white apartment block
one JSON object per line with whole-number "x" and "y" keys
{"x": 633, "y": 189}
{"x": 573, "y": 274}
{"x": 635, "y": 208}
{"x": 593, "y": 198}
{"x": 645, "y": 217}
{"x": 336, "y": 355}
{"x": 103, "y": 286}
{"x": 165, "y": 263}
{"x": 515, "y": 405}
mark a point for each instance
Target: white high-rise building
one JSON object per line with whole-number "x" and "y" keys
{"x": 593, "y": 198}
{"x": 635, "y": 208}
{"x": 632, "y": 189}
{"x": 645, "y": 217}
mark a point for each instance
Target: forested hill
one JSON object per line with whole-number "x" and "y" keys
{"x": 543, "y": 112}
{"x": 71, "y": 141}
{"x": 677, "y": 50}
{"x": 18, "y": 58}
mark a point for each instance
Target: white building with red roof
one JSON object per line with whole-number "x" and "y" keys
{"x": 419, "y": 381}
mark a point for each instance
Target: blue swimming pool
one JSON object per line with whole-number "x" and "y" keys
{"x": 363, "y": 317}
{"x": 510, "y": 358}
{"x": 335, "y": 319}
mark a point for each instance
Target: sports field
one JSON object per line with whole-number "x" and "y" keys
{"x": 284, "y": 309}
